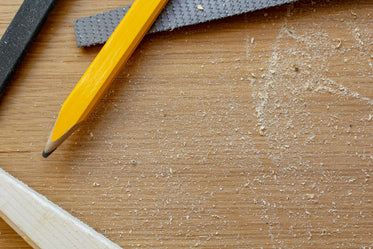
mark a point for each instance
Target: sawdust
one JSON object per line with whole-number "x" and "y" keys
{"x": 274, "y": 166}
{"x": 285, "y": 116}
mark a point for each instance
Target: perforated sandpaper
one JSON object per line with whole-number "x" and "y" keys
{"x": 18, "y": 36}
{"x": 97, "y": 29}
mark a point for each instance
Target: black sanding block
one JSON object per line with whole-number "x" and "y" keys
{"x": 18, "y": 36}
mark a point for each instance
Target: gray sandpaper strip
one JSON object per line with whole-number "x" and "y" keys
{"x": 97, "y": 29}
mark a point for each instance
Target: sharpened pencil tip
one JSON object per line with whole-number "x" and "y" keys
{"x": 52, "y": 145}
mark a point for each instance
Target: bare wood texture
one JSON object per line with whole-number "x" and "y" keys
{"x": 253, "y": 131}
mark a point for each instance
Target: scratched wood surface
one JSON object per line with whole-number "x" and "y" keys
{"x": 253, "y": 131}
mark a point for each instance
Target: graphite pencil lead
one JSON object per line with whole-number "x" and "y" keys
{"x": 47, "y": 154}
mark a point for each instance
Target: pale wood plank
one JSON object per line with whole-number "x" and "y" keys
{"x": 42, "y": 223}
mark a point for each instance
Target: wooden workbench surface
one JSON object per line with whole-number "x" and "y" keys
{"x": 248, "y": 132}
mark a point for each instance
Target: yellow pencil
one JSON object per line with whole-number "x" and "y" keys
{"x": 115, "y": 53}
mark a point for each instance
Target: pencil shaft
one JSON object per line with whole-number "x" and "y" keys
{"x": 19, "y": 35}
{"x": 106, "y": 65}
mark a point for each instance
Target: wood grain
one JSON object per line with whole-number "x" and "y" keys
{"x": 42, "y": 223}
{"x": 248, "y": 132}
